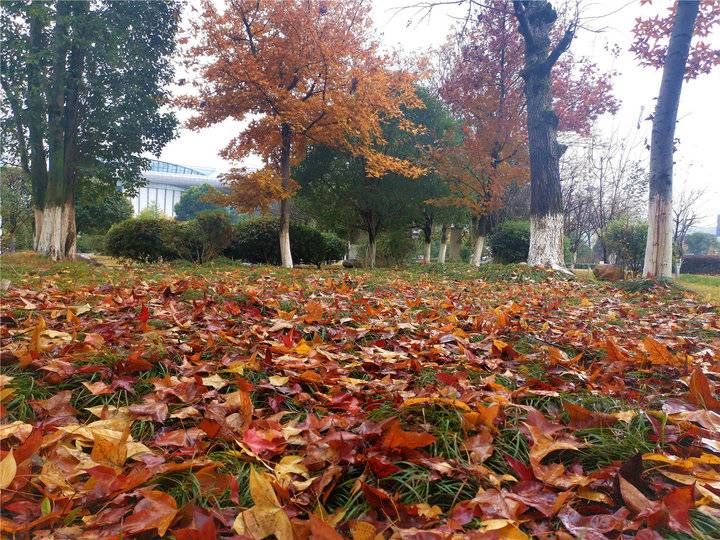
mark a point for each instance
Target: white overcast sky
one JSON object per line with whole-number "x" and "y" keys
{"x": 698, "y": 155}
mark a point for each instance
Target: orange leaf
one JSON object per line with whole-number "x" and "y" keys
{"x": 395, "y": 437}
{"x": 701, "y": 392}
{"x": 314, "y": 312}
{"x": 156, "y": 511}
{"x": 658, "y": 353}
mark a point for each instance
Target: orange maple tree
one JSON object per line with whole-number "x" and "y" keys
{"x": 302, "y": 72}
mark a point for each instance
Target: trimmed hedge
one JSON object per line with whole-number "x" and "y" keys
{"x": 510, "y": 242}
{"x": 700, "y": 264}
{"x": 205, "y": 237}
{"x": 256, "y": 241}
{"x": 143, "y": 239}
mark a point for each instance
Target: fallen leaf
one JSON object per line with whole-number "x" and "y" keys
{"x": 8, "y": 469}
{"x": 396, "y": 437}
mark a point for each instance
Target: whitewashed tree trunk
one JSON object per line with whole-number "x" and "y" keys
{"x": 372, "y": 252}
{"x": 573, "y": 262}
{"x": 426, "y": 253}
{"x": 443, "y": 252}
{"x": 476, "y": 256}
{"x": 444, "y": 234}
{"x": 678, "y": 266}
{"x": 658, "y": 249}
{"x": 57, "y": 238}
{"x": 285, "y": 253}
{"x": 546, "y": 241}
{"x": 38, "y": 215}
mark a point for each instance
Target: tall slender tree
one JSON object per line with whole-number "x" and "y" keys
{"x": 84, "y": 84}
{"x": 679, "y": 60}
{"x": 303, "y": 72}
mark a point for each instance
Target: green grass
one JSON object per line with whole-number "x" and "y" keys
{"x": 707, "y": 287}
{"x": 704, "y": 528}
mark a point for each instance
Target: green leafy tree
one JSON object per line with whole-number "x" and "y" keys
{"x": 626, "y": 241}
{"x": 98, "y": 206}
{"x": 338, "y": 193}
{"x": 700, "y": 243}
{"x": 15, "y": 209}
{"x": 195, "y": 200}
{"x": 83, "y": 83}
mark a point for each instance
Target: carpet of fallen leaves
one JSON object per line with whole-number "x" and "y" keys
{"x": 327, "y": 404}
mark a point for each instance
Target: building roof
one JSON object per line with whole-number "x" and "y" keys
{"x": 172, "y": 174}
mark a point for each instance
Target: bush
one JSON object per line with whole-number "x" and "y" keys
{"x": 700, "y": 243}
{"x": 257, "y": 241}
{"x": 91, "y": 243}
{"x": 510, "y": 242}
{"x": 626, "y": 241}
{"x": 205, "y": 237}
{"x": 148, "y": 239}
{"x": 335, "y": 247}
{"x": 701, "y": 264}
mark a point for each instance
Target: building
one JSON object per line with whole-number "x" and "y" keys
{"x": 165, "y": 184}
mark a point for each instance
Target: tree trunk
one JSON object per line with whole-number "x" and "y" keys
{"x": 58, "y": 237}
{"x": 427, "y": 252}
{"x": 573, "y": 264}
{"x": 443, "y": 244}
{"x": 476, "y": 257}
{"x": 285, "y": 253}
{"x": 427, "y": 234}
{"x": 546, "y": 212}
{"x": 372, "y": 250}
{"x": 658, "y": 250}
{"x": 36, "y": 117}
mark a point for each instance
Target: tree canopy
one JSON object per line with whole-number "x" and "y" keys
{"x": 85, "y": 84}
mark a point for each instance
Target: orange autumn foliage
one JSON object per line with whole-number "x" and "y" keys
{"x": 302, "y": 73}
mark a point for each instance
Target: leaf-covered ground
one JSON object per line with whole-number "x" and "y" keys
{"x": 211, "y": 402}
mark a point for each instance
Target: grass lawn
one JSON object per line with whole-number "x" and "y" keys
{"x": 707, "y": 287}
{"x": 187, "y": 401}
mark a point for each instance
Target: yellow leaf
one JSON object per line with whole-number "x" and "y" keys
{"x": 504, "y": 528}
{"x": 363, "y": 530}
{"x": 591, "y": 495}
{"x": 267, "y": 516}
{"x": 427, "y": 511}
{"x": 277, "y": 380}
{"x": 302, "y": 347}
{"x": 288, "y": 466}
{"x": 261, "y": 490}
{"x": 8, "y": 469}
{"x": 411, "y": 402}
{"x": 20, "y": 428}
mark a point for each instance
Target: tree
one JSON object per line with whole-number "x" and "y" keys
{"x": 98, "y": 206}
{"x": 486, "y": 86}
{"x": 535, "y": 22}
{"x": 84, "y": 83}
{"x": 700, "y": 243}
{"x": 15, "y": 207}
{"x": 684, "y": 218}
{"x": 626, "y": 241}
{"x": 340, "y": 196}
{"x": 612, "y": 185}
{"x": 304, "y": 72}
{"x": 679, "y": 61}
{"x": 194, "y": 200}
